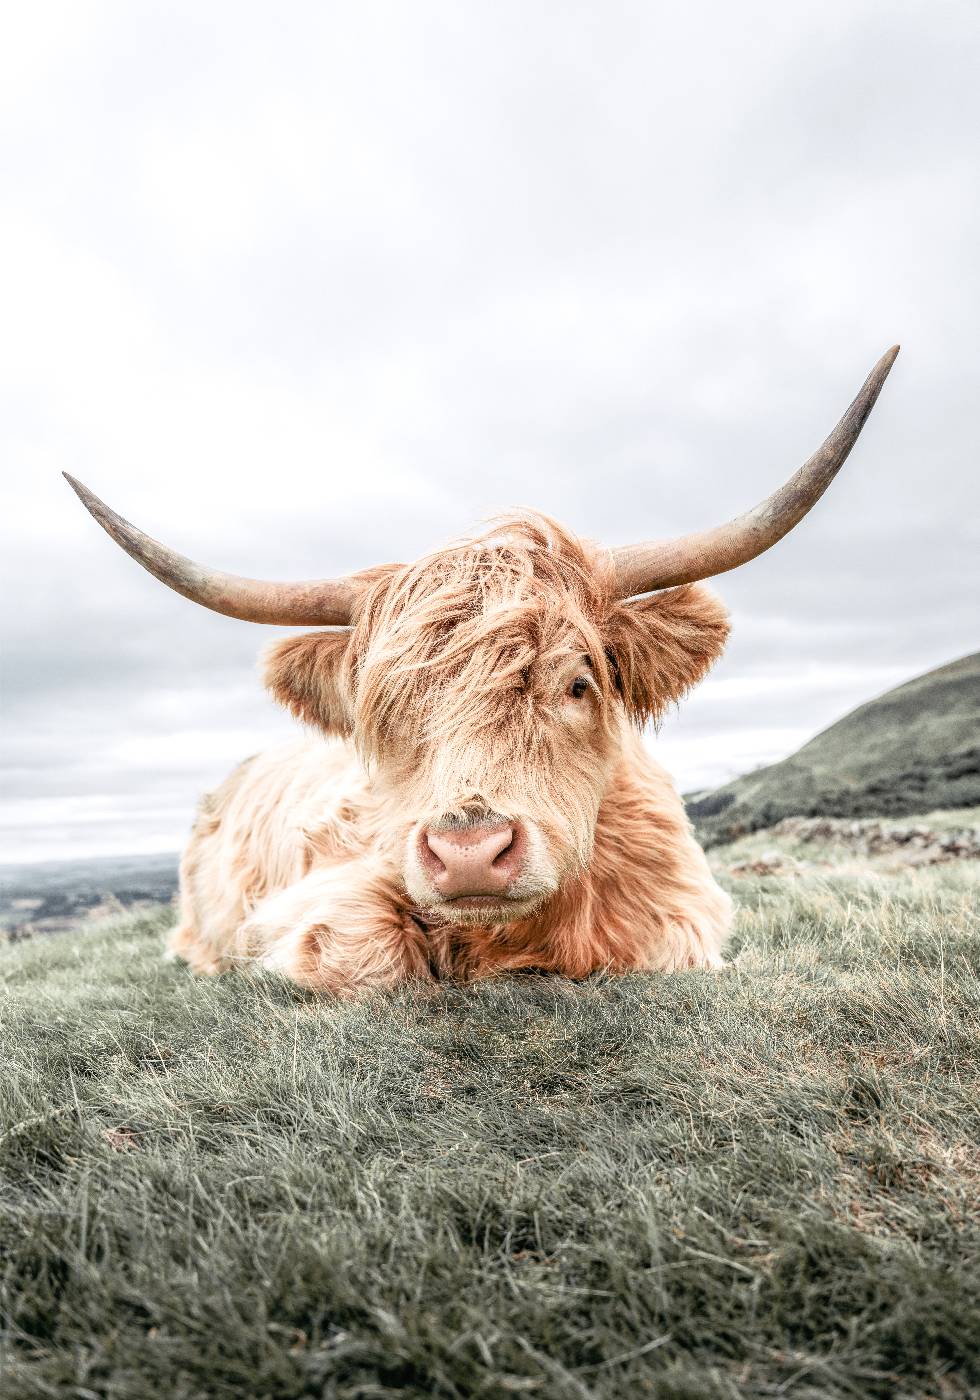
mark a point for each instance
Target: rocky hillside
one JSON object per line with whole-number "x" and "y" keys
{"x": 835, "y": 845}
{"x": 913, "y": 750}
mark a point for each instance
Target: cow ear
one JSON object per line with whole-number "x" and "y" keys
{"x": 305, "y": 674}
{"x": 662, "y": 645}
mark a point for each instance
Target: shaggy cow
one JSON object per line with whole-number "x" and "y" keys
{"x": 477, "y": 797}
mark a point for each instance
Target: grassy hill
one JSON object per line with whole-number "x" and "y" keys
{"x": 913, "y": 750}
{"x": 701, "y": 1187}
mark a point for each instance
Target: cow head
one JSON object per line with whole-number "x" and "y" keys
{"x": 491, "y": 686}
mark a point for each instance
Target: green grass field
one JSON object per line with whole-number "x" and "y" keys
{"x": 764, "y": 1182}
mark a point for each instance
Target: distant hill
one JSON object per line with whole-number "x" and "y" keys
{"x": 52, "y": 896}
{"x": 914, "y": 749}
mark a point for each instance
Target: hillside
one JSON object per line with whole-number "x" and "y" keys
{"x": 913, "y": 750}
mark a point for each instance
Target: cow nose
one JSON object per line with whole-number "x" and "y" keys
{"x": 480, "y": 860}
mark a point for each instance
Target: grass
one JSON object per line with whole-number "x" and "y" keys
{"x": 759, "y": 1183}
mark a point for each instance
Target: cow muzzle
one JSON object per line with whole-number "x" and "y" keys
{"x": 477, "y": 862}
{"x": 479, "y": 868}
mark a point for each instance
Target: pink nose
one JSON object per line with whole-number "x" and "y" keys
{"x": 481, "y": 860}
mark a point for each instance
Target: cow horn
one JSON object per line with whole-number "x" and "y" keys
{"x": 317, "y": 602}
{"x": 641, "y": 568}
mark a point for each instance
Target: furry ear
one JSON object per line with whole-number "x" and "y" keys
{"x": 662, "y": 645}
{"x": 304, "y": 674}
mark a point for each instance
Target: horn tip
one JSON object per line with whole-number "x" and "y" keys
{"x": 882, "y": 369}
{"x": 88, "y": 498}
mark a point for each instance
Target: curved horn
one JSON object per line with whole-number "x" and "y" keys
{"x": 641, "y": 568}
{"x": 318, "y": 602}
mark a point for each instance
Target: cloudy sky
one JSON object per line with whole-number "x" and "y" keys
{"x": 300, "y": 288}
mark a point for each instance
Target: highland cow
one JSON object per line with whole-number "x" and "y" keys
{"x": 475, "y": 796}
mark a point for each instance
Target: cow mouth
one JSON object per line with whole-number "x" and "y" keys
{"x": 485, "y": 908}
{"x": 476, "y": 903}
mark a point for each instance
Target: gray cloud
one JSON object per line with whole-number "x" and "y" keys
{"x": 297, "y": 297}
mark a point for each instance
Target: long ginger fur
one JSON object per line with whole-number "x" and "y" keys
{"x": 448, "y": 695}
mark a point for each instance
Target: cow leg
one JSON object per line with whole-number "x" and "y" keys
{"x": 185, "y": 944}
{"x": 337, "y": 930}
{"x": 689, "y": 917}
{"x": 684, "y": 945}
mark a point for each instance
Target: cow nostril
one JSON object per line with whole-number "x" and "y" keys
{"x": 433, "y": 858}
{"x": 505, "y": 850}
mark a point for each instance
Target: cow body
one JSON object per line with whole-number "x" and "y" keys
{"x": 294, "y": 865}
{"x": 476, "y": 797}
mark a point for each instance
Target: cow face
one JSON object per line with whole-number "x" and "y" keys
{"x": 489, "y": 688}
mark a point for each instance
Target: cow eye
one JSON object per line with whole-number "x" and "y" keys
{"x": 578, "y": 687}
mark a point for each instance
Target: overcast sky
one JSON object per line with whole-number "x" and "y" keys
{"x": 300, "y": 288}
